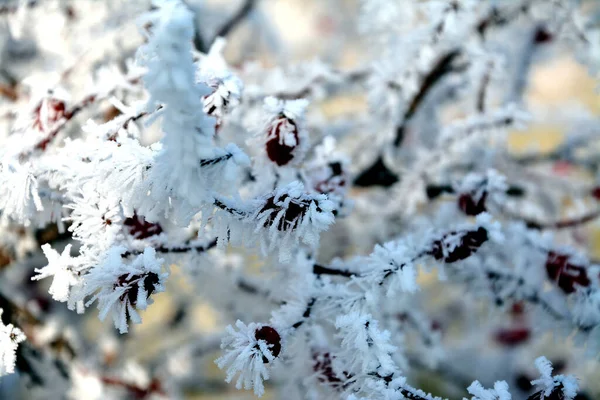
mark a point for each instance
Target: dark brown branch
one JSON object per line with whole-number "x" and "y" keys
{"x": 212, "y": 161}
{"x": 137, "y": 392}
{"x": 306, "y": 313}
{"x": 238, "y": 213}
{"x": 434, "y": 191}
{"x": 485, "y": 81}
{"x": 439, "y": 71}
{"x": 322, "y": 270}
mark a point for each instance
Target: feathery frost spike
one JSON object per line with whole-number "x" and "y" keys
{"x": 10, "y": 337}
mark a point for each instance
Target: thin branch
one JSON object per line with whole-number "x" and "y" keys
{"x": 234, "y": 20}
{"x": 322, "y": 270}
{"x": 485, "y": 81}
{"x": 212, "y": 161}
{"x": 306, "y": 313}
{"x": 176, "y": 250}
{"x": 560, "y": 224}
{"x": 439, "y": 71}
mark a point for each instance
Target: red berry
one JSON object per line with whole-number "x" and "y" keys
{"x": 469, "y": 243}
{"x": 139, "y": 228}
{"x": 512, "y": 336}
{"x": 565, "y": 274}
{"x": 271, "y": 336}
{"x": 277, "y": 150}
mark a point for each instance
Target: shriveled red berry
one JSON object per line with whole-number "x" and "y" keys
{"x": 271, "y": 336}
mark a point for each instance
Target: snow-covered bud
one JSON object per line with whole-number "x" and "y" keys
{"x": 285, "y": 212}
{"x": 122, "y": 288}
{"x": 278, "y": 220}
{"x": 293, "y": 212}
{"x": 286, "y": 138}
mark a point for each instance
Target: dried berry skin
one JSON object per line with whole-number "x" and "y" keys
{"x": 271, "y": 336}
